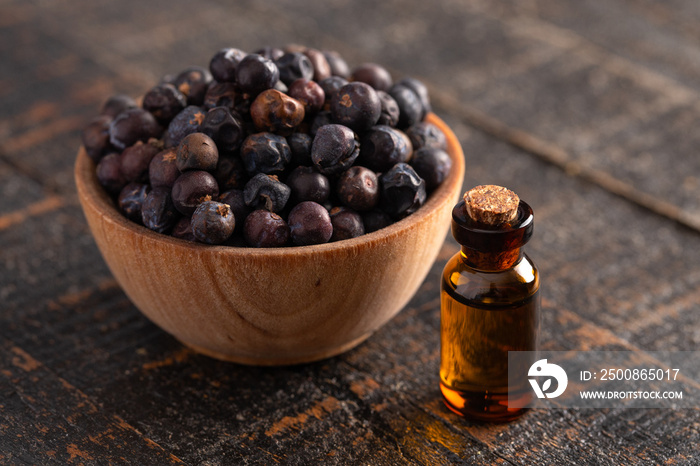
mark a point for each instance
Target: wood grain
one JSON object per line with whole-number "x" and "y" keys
{"x": 576, "y": 105}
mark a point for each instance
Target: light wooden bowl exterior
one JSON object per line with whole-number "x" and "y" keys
{"x": 271, "y": 306}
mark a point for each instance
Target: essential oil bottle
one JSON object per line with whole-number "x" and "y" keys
{"x": 489, "y": 305}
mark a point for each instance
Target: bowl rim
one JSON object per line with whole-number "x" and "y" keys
{"x": 90, "y": 191}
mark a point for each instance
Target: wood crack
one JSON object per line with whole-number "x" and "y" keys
{"x": 557, "y": 156}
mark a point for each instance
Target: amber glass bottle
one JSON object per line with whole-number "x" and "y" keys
{"x": 489, "y": 306}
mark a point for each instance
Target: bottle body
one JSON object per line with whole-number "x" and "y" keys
{"x": 490, "y": 305}
{"x": 485, "y": 314}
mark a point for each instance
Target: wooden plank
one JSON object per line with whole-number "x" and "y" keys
{"x": 548, "y": 437}
{"x": 88, "y": 337}
{"x": 656, "y": 36}
{"x": 18, "y": 194}
{"x": 43, "y": 206}
{"x": 626, "y": 67}
{"x": 612, "y": 265}
{"x": 84, "y": 378}
{"x": 45, "y": 419}
{"x": 45, "y": 256}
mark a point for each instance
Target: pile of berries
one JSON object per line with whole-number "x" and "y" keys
{"x": 275, "y": 148}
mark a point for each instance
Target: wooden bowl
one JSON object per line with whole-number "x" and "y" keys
{"x": 271, "y": 306}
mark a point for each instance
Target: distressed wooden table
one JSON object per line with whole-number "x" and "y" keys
{"x": 589, "y": 110}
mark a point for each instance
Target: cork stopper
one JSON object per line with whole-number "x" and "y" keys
{"x": 491, "y": 205}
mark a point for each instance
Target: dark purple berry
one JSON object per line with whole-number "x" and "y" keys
{"x": 230, "y": 173}
{"x": 331, "y": 86}
{"x": 322, "y": 69}
{"x": 294, "y": 65}
{"x": 375, "y": 220}
{"x": 193, "y": 83}
{"x": 164, "y": 101}
{"x": 136, "y": 159}
{"x": 402, "y": 191}
{"x": 184, "y": 123}
{"x": 375, "y": 75}
{"x": 225, "y": 128}
{"x": 424, "y": 134}
{"x": 162, "y": 171}
{"x": 276, "y": 112}
{"x": 390, "y": 110}
{"x": 419, "y": 89}
{"x": 300, "y": 145}
{"x": 117, "y": 104}
{"x": 339, "y": 66}
{"x": 346, "y": 224}
{"x": 266, "y": 192}
{"x": 192, "y": 188}
{"x": 334, "y": 149}
{"x": 310, "y": 223}
{"x": 131, "y": 199}
{"x": 95, "y": 137}
{"x": 197, "y": 151}
{"x": 212, "y": 222}
{"x": 158, "y": 212}
{"x": 307, "y": 184}
{"x": 382, "y": 147}
{"x": 131, "y": 126}
{"x": 433, "y": 165}
{"x": 226, "y": 95}
{"x": 183, "y": 229}
{"x": 223, "y": 64}
{"x": 265, "y": 153}
{"x": 109, "y": 173}
{"x": 234, "y": 199}
{"x": 248, "y": 120}
{"x": 406, "y": 146}
{"x": 309, "y": 93}
{"x": 271, "y": 53}
{"x": 357, "y": 106}
{"x": 265, "y": 229}
{"x": 358, "y": 188}
{"x": 411, "y": 110}
{"x": 256, "y": 73}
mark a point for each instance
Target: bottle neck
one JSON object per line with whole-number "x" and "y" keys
{"x": 491, "y": 261}
{"x": 488, "y": 248}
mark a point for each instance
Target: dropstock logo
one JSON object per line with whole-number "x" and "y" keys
{"x": 543, "y": 369}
